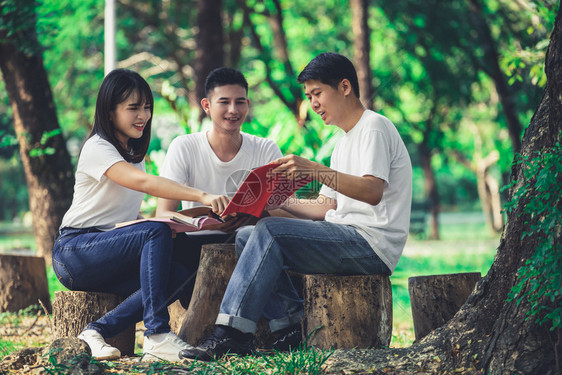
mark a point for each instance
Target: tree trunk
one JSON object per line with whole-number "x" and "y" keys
{"x": 197, "y": 322}
{"x": 73, "y": 310}
{"x": 488, "y": 191}
{"x": 430, "y": 189}
{"x": 23, "y": 282}
{"x": 490, "y": 334}
{"x": 436, "y": 299}
{"x": 362, "y": 49}
{"x": 347, "y": 311}
{"x": 210, "y": 41}
{"x": 46, "y": 162}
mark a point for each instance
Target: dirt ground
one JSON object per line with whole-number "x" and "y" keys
{"x": 31, "y": 331}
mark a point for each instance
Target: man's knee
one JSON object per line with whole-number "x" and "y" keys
{"x": 242, "y": 237}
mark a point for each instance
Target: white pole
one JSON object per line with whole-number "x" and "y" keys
{"x": 109, "y": 36}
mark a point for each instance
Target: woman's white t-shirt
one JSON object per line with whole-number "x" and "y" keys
{"x": 374, "y": 147}
{"x": 98, "y": 201}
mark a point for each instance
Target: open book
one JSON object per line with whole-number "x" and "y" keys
{"x": 259, "y": 190}
{"x": 198, "y": 218}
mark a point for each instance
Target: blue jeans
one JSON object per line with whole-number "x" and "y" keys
{"x": 134, "y": 262}
{"x": 259, "y": 284}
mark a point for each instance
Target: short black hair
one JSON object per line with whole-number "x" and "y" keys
{"x": 224, "y": 76}
{"x": 330, "y": 68}
{"x": 117, "y": 87}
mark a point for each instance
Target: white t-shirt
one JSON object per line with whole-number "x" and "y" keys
{"x": 191, "y": 161}
{"x": 374, "y": 147}
{"x": 98, "y": 201}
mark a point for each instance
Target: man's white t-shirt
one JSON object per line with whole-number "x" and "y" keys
{"x": 191, "y": 161}
{"x": 374, "y": 147}
{"x": 98, "y": 201}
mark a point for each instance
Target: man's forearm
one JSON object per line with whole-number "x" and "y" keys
{"x": 313, "y": 209}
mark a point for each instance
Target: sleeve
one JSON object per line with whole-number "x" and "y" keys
{"x": 271, "y": 152}
{"x": 375, "y": 155}
{"x": 325, "y": 189}
{"x": 97, "y": 156}
{"x": 176, "y": 162}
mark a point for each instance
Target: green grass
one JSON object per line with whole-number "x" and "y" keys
{"x": 54, "y": 284}
{"x": 17, "y": 242}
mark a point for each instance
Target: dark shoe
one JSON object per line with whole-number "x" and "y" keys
{"x": 287, "y": 338}
{"x": 223, "y": 340}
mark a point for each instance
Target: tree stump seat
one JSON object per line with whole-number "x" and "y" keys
{"x": 23, "y": 282}
{"x": 347, "y": 311}
{"x": 73, "y": 310}
{"x": 354, "y": 311}
{"x": 436, "y": 299}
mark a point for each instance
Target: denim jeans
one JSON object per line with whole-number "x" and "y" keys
{"x": 187, "y": 252}
{"x": 259, "y": 284}
{"x": 134, "y": 262}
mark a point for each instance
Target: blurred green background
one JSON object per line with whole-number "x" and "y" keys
{"x": 460, "y": 79}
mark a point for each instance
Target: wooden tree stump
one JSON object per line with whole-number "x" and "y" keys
{"x": 353, "y": 311}
{"x": 215, "y": 268}
{"x": 436, "y": 299}
{"x": 23, "y": 282}
{"x": 73, "y": 310}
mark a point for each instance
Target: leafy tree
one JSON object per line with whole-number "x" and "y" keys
{"x": 46, "y": 162}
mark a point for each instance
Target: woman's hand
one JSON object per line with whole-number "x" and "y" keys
{"x": 217, "y": 202}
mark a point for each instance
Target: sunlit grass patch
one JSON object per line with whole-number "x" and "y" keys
{"x": 302, "y": 361}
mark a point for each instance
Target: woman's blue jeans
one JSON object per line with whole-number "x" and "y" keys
{"x": 134, "y": 262}
{"x": 259, "y": 284}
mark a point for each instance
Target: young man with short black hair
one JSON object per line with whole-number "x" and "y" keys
{"x": 357, "y": 225}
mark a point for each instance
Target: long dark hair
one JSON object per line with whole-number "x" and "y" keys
{"x": 116, "y": 87}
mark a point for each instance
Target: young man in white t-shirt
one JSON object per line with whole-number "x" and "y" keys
{"x": 357, "y": 225}
{"x": 214, "y": 161}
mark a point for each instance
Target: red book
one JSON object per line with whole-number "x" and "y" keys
{"x": 260, "y": 190}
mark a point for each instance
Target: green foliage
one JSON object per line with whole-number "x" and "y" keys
{"x": 526, "y": 61}
{"x": 538, "y": 197}
{"x": 42, "y": 148}
{"x": 56, "y": 368}
{"x": 17, "y": 24}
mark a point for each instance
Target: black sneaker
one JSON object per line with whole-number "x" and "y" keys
{"x": 287, "y": 338}
{"x": 223, "y": 340}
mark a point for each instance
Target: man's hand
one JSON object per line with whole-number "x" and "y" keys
{"x": 292, "y": 166}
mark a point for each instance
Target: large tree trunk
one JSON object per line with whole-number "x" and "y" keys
{"x": 209, "y": 46}
{"x": 45, "y": 159}
{"x": 489, "y": 333}
{"x": 430, "y": 188}
{"x": 362, "y": 49}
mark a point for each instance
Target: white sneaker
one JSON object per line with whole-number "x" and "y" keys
{"x": 163, "y": 346}
{"x": 100, "y": 349}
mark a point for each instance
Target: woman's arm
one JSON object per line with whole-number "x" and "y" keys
{"x": 126, "y": 175}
